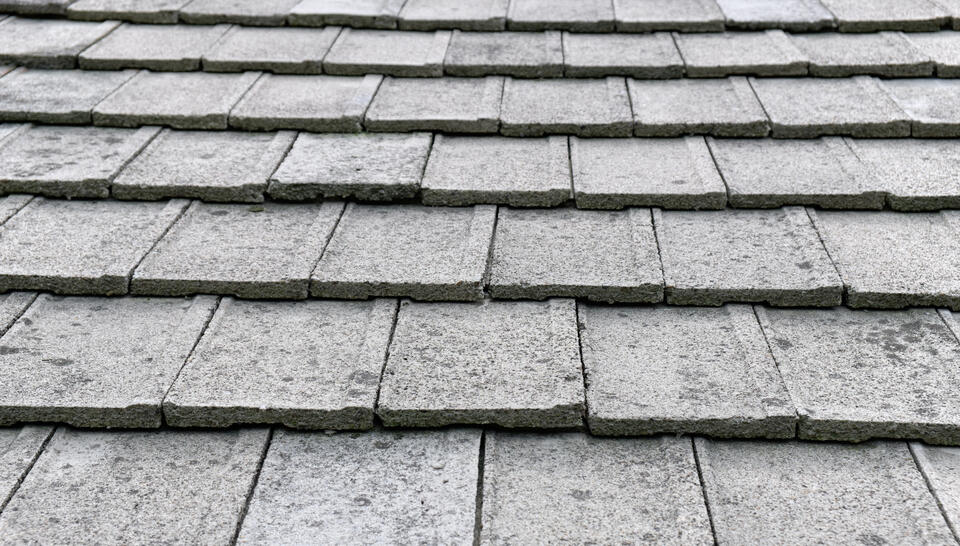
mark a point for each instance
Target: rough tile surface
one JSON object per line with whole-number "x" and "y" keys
{"x": 406, "y": 250}
{"x": 68, "y": 161}
{"x": 670, "y": 172}
{"x": 682, "y": 15}
{"x": 942, "y": 47}
{"x": 136, "y": 487}
{"x": 35, "y": 7}
{"x": 523, "y": 54}
{"x": 541, "y": 488}
{"x": 887, "y": 54}
{"x": 512, "y": 364}
{"x": 720, "y": 107}
{"x": 595, "y": 107}
{"x": 241, "y": 12}
{"x": 410, "y": 487}
{"x": 137, "y": 11}
{"x": 823, "y": 172}
{"x": 713, "y": 55}
{"x": 932, "y": 104}
{"x": 810, "y": 493}
{"x": 654, "y": 370}
{"x": 80, "y": 247}
{"x": 917, "y": 174}
{"x": 477, "y": 15}
{"x": 465, "y": 170}
{"x": 577, "y": 15}
{"x": 182, "y": 100}
{"x": 19, "y": 448}
{"x": 12, "y": 204}
{"x": 312, "y": 364}
{"x": 351, "y": 13}
{"x": 637, "y": 55}
{"x": 811, "y": 107}
{"x": 797, "y": 15}
{"x": 154, "y": 47}
{"x": 278, "y": 50}
{"x": 598, "y": 255}
{"x": 96, "y": 362}
{"x": 392, "y": 52}
{"x": 941, "y": 468}
{"x": 263, "y": 251}
{"x": 775, "y": 256}
{"x": 890, "y": 259}
{"x": 366, "y": 166}
{"x": 456, "y": 105}
{"x": 47, "y": 43}
{"x": 873, "y": 15}
{"x": 56, "y": 96}
{"x": 12, "y": 305}
{"x": 214, "y": 166}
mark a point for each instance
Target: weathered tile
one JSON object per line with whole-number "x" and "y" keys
{"x": 795, "y": 15}
{"x": 68, "y": 161}
{"x": 815, "y": 493}
{"x": 952, "y": 7}
{"x": 721, "y": 107}
{"x": 887, "y": 54}
{"x": 136, "y": 487}
{"x": 477, "y": 15}
{"x": 811, "y": 107}
{"x": 409, "y": 487}
{"x": 873, "y": 15}
{"x": 823, "y": 172}
{"x": 524, "y": 54}
{"x": 932, "y": 104}
{"x": 154, "y": 47}
{"x": 456, "y": 105}
{"x": 34, "y": 7}
{"x": 392, "y": 52}
{"x": 847, "y": 370}
{"x": 522, "y": 172}
{"x": 80, "y": 247}
{"x": 97, "y": 362}
{"x": 406, "y": 250}
{"x": 48, "y": 43}
{"x": 512, "y": 364}
{"x": 19, "y": 448}
{"x": 637, "y": 55}
{"x": 917, "y": 174}
{"x": 577, "y": 15}
{"x": 137, "y": 11}
{"x": 264, "y": 251}
{"x": 713, "y": 55}
{"x": 773, "y": 256}
{"x": 892, "y": 259}
{"x": 682, "y": 15}
{"x": 310, "y": 364}
{"x": 12, "y": 305}
{"x": 598, "y": 255}
{"x": 351, "y": 13}
{"x": 183, "y": 100}
{"x": 674, "y": 173}
{"x": 11, "y": 205}
{"x": 942, "y": 47}
{"x": 570, "y": 487}
{"x": 596, "y": 107}
{"x": 941, "y": 469}
{"x": 56, "y": 96}
{"x": 240, "y": 12}
{"x": 366, "y": 166}
{"x": 653, "y": 370}
{"x": 278, "y": 50}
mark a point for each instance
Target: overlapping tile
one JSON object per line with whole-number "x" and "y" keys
{"x": 19, "y": 448}
{"x": 354, "y": 13}
{"x": 943, "y": 48}
{"x": 391, "y": 52}
{"x": 524, "y": 54}
{"x": 241, "y": 12}
{"x": 478, "y": 15}
{"x": 916, "y": 174}
{"x": 56, "y": 96}
{"x": 457, "y": 105}
{"x": 794, "y": 15}
{"x": 873, "y": 15}
{"x": 721, "y": 107}
{"x": 682, "y": 15}
{"x": 589, "y": 107}
{"x": 35, "y": 7}
{"x": 635, "y": 55}
{"x": 154, "y": 47}
{"x": 713, "y": 55}
{"x": 887, "y": 54}
{"x": 576, "y": 15}
{"x": 278, "y": 50}
{"x": 940, "y": 467}
{"x": 932, "y": 105}
{"x": 45, "y": 43}
{"x": 137, "y": 11}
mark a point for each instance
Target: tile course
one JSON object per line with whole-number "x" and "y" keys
{"x": 56, "y": 96}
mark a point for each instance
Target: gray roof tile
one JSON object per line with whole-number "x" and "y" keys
{"x": 11, "y": 205}
{"x": 56, "y": 96}
{"x": 723, "y": 107}
{"x": 800, "y": 15}
{"x": 391, "y": 52}
{"x": 278, "y": 50}
{"x": 137, "y": 11}
{"x": 241, "y": 12}
{"x": 35, "y": 7}
{"x": 952, "y": 7}
{"x": 933, "y": 105}
{"x": 577, "y": 15}
{"x": 917, "y": 174}
{"x": 355, "y": 13}
{"x": 155, "y": 47}
{"x": 12, "y": 305}
{"x": 636, "y": 55}
{"x": 460, "y": 105}
{"x": 19, "y": 448}
{"x": 439, "y": 14}
{"x": 769, "y": 53}
{"x": 47, "y": 43}
{"x": 682, "y": 15}
{"x": 942, "y": 47}
{"x": 873, "y": 15}
{"x": 941, "y": 468}
{"x": 887, "y": 54}
{"x": 524, "y": 54}
{"x": 596, "y": 107}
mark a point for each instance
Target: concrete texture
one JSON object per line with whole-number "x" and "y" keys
{"x": 597, "y": 255}
{"x": 636, "y": 55}
{"x": 522, "y": 54}
{"x": 80, "y": 247}
{"x": 35, "y": 7}
{"x": 97, "y": 362}
{"x": 569, "y": 487}
{"x": 56, "y": 96}
{"x": 477, "y": 15}
{"x": 653, "y": 370}
{"x": 351, "y": 13}
{"x": 932, "y": 105}
{"x": 455, "y": 105}
{"x": 887, "y": 54}
{"x": 576, "y": 15}
{"x": 213, "y": 166}
{"x": 12, "y": 305}
{"x": 917, "y": 174}
{"x": 941, "y": 468}
{"x": 277, "y": 50}
{"x": 263, "y": 251}
{"x": 68, "y": 161}
{"x": 136, "y": 488}
{"x": 182, "y": 100}
{"x": 662, "y": 172}
{"x": 682, "y": 15}
{"x": 873, "y": 15}
{"x": 19, "y": 448}
{"x": 11, "y": 205}
{"x": 407, "y": 250}
{"x": 312, "y": 364}
{"x": 240, "y": 12}
{"x": 154, "y": 47}
{"x": 366, "y": 166}
{"x": 48, "y": 43}
{"x": 310, "y": 103}
{"x": 391, "y": 52}
{"x": 595, "y": 107}
{"x": 811, "y": 107}
{"x": 943, "y": 48}
{"x": 522, "y": 172}
{"x": 772, "y": 256}
{"x": 794, "y": 15}
{"x": 814, "y": 493}
{"x": 823, "y": 172}
{"x": 136, "y": 11}
{"x": 714, "y": 55}
{"x": 400, "y": 487}
{"x": 512, "y": 364}
{"x": 720, "y": 107}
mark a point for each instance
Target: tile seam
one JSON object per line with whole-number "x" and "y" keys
{"x": 252, "y": 488}
{"x": 478, "y": 503}
{"x": 196, "y": 343}
{"x": 28, "y": 469}
{"x": 703, "y": 489}
{"x": 933, "y": 493}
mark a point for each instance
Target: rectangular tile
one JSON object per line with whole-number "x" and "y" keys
{"x": 887, "y": 54}
{"x": 576, "y": 15}
{"x": 47, "y": 43}
{"x": 56, "y": 96}
{"x": 873, "y": 15}
{"x": 522, "y": 54}
{"x": 635, "y": 55}
{"x": 390, "y": 52}
{"x": 719, "y": 107}
{"x": 240, "y": 12}
{"x": 278, "y": 50}
{"x": 714, "y": 55}
{"x": 939, "y": 466}
{"x": 916, "y": 174}
{"x": 351, "y": 13}
{"x": 932, "y": 105}
{"x": 154, "y": 47}
{"x": 12, "y": 305}
{"x": 455, "y": 105}
{"x": 136, "y": 11}
{"x": 19, "y": 448}
{"x": 594, "y": 107}
{"x": 35, "y": 7}
{"x": 682, "y": 15}
{"x": 478, "y": 15}
{"x": 793, "y": 15}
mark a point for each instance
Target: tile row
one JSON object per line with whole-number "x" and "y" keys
{"x": 860, "y": 106}
{"x": 735, "y": 371}
{"x": 457, "y": 486}
{"x": 223, "y": 48}
{"x": 784, "y": 257}
{"x": 498, "y": 15}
